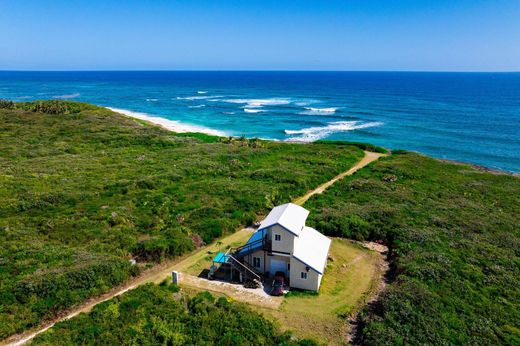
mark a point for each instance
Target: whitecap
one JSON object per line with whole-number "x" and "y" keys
{"x": 172, "y": 125}
{"x": 249, "y": 110}
{"x": 254, "y": 103}
{"x": 230, "y": 113}
{"x": 191, "y": 98}
{"x": 312, "y": 134}
{"x": 197, "y": 106}
{"x": 152, "y": 100}
{"x": 67, "y": 96}
{"x": 322, "y": 110}
{"x": 202, "y": 92}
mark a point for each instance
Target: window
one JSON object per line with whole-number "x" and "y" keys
{"x": 304, "y": 275}
{"x": 277, "y": 237}
{"x": 256, "y": 262}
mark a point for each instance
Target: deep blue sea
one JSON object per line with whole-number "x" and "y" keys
{"x": 470, "y": 117}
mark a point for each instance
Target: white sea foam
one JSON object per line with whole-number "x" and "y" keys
{"x": 322, "y": 110}
{"x": 255, "y": 103}
{"x": 202, "y": 92}
{"x": 67, "y": 96}
{"x": 152, "y": 100}
{"x": 230, "y": 113}
{"x": 191, "y": 98}
{"x": 197, "y": 106}
{"x": 171, "y": 125}
{"x": 254, "y": 110}
{"x": 312, "y": 134}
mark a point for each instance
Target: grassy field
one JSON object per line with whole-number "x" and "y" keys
{"x": 202, "y": 260}
{"x": 454, "y": 237}
{"x": 83, "y": 190}
{"x": 347, "y": 282}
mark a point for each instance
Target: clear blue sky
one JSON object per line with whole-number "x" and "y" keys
{"x": 435, "y": 35}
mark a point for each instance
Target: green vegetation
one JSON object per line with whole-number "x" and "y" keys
{"x": 454, "y": 237}
{"x": 351, "y": 276}
{"x": 160, "y": 315}
{"x": 83, "y": 190}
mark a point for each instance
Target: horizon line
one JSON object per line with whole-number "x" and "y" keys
{"x": 257, "y": 70}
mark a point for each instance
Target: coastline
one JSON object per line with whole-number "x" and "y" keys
{"x": 177, "y": 126}
{"x": 167, "y": 124}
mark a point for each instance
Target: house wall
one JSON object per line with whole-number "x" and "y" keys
{"x": 259, "y": 254}
{"x": 313, "y": 281}
{"x": 286, "y": 243}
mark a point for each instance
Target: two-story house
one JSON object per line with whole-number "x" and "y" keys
{"x": 284, "y": 244}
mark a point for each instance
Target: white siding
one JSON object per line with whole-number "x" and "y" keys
{"x": 259, "y": 254}
{"x": 313, "y": 281}
{"x": 286, "y": 243}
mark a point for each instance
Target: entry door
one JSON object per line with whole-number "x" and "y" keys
{"x": 278, "y": 266}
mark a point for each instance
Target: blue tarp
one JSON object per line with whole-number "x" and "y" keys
{"x": 220, "y": 258}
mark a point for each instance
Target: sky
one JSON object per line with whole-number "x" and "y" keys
{"x": 435, "y": 35}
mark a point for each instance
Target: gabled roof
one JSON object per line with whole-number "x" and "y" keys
{"x": 290, "y": 216}
{"x": 312, "y": 249}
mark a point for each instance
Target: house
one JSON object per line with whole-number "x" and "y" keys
{"x": 283, "y": 243}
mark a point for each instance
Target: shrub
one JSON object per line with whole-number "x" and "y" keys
{"x": 7, "y": 104}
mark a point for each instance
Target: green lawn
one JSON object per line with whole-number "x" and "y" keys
{"x": 83, "y": 190}
{"x": 348, "y": 281}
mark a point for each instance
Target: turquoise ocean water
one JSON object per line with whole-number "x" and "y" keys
{"x": 469, "y": 117}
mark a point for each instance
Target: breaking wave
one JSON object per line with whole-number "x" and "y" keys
{"x": 197, "y": 106}
{"x": 152, "y": 100}
{"x": 202, "y": 92}
{"x": 248, "y": 110}
{"x": 312, "y": 134}
{"x": 191, "y": 98}
{"x": 255, "y": 103}
{"x": 319, "y": 111}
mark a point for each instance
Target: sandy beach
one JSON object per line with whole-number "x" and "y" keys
{"x": 171, "y": 125}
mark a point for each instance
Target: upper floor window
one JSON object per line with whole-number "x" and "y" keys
{"x": 304, "y": 275}
{"x": 277, "y": 237}
{"x": 256, "y": 262}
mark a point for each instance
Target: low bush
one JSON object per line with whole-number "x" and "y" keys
{"x": 7, "y": 104}
{"x": 151, "y": 315}
{"x": 453, "y": 236}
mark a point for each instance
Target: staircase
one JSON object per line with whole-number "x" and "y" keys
{"x": 246, "y": 271}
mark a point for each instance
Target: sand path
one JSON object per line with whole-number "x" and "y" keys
{"x": 367, "y": 159}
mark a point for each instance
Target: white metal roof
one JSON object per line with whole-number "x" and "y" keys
{"x": 290, "y": 216}
{"x": 312, "y": 249}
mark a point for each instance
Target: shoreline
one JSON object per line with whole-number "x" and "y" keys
{"x": 177, "y": 126}
{"x": 167, "y": 124}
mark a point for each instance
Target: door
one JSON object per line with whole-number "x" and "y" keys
{"x": 278, "y": 266}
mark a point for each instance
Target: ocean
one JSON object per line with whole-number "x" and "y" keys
{"x": 468, "y": 117}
